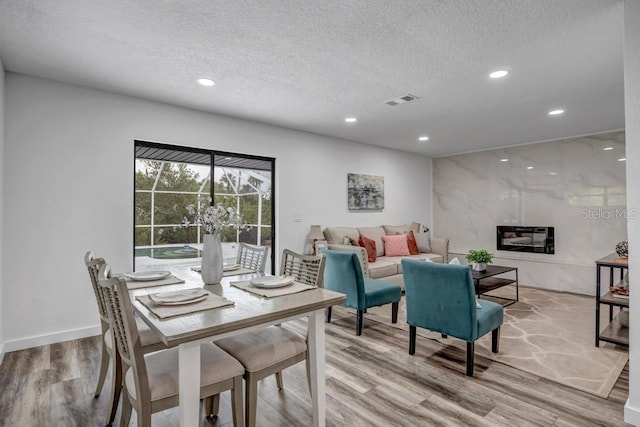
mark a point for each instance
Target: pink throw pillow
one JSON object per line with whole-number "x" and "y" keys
{"x": 396, "y": 245}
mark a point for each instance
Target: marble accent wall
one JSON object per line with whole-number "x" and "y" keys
{"x": 574, "y": 185}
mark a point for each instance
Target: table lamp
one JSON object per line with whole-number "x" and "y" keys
{"x": 315, "y": 234}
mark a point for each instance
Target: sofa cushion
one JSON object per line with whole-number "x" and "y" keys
{"x": 413, "y": 245}
{"x": 375, "y": 234}
{"x": 398, "y": 259}
{"x": 336, "y": 234}
{"x": 382, "y": 268}
{"x": 396, "y": 245}
{"x": 370, "y": 246}
{"x": 391, "y": 230}
{"x": 422, "y": 239}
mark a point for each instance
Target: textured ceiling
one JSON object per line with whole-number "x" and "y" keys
{"x": 308, "y": 64}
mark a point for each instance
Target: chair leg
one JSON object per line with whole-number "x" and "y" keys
{"x": 329, "y": 314}
{"x": 445, "y": 336}
{"x": 359, "y": 321}
{"x": 279, "y": 381}
{"x": 470, "y": 353}
{"x": 105, "y": 360}
{"x": 212, "y": 406}
{"x": 236, "y": 402}
{"x": 308, "y": 368}
{"x": 251, "y": 399}
{"x": 412, "y": 340}
{"x": 495, "y": 339}
{"x": 116, "y": 384}
{"x": 394, "y": 312}
{"x": 125, "y": 417}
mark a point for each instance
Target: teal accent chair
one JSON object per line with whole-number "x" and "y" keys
{"x": 342, "y": 273}
{"x": 441, "y": 298}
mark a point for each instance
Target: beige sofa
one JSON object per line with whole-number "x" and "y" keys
{"x": 384, "y": 268}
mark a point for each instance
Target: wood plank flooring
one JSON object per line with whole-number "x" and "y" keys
{"x": 371, "y": 381}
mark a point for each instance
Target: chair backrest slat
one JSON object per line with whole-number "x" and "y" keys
{"x": 123, "y": 322}
{"x": 93, "y": 265}
{"x": 306, "y": 269}
{"x": 252, "y": 257}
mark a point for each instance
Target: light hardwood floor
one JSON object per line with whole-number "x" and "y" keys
{"x": 371, "y": 381}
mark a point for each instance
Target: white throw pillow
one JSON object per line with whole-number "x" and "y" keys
{"x": 478, "y": 304}
{"x": 422, "y": 240}
{"x": 428, "y": 260}
{"x": 455, "y": 261}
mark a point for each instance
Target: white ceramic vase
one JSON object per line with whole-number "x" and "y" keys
{"x": 211, "y": 259}
{"x": 478, "y": 266}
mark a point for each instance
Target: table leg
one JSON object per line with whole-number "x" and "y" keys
{"x": 517, "y": 289}
{"x": 189, "y": 383}
{"x": 316, "y": 343}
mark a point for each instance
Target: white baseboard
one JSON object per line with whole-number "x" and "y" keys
{"x": 1, "y": 352}
{"x": 36, "y": 341}
{"x": 631, "y": 415}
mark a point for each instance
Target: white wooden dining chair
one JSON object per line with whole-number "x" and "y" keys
{"x": 110, "y": 357}
{"x": 151, "y": 380}
{"x": 268, "y": 351}
{"x": 252, "y": 257}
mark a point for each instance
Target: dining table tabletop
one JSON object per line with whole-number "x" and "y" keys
{"x": 248, "y": 312}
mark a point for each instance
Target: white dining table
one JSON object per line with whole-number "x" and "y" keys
{"x": 249, "y": 312}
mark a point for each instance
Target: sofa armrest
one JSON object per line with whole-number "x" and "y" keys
{"x": 440, "y": 246}
{"x": 360, "y": 251}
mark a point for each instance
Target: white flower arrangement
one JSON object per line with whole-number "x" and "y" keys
{"x": 213, "y": 218}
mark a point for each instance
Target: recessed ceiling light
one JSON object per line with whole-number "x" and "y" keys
{"x": 607, "y": 148}
{"x": 529, "y": 167}
{"x": 556, "y": 112}
{"x": 504, "y": 160}
{"x": 622, "y": 159}
{"x": 423, "y": 138}
{"x": 350, "y": 120}
{"x": 498, "y": 74}
{"x": 206, "y": 82}
{"x": 553, "y": 173}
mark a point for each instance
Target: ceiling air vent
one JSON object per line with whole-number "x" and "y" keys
{"x": 401, "y": 100}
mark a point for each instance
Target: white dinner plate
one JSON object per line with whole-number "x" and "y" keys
{"x": 230, "y": 267}
{"x": 146, "y": 276}
{"x": 272, "y": 281}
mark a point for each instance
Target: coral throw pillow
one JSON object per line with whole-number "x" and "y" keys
{"x": 370, "y": 246}
{"x": 413, "y": 245}
{"x": 396, "y": 245}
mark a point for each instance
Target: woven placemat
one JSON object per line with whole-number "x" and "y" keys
{"x": 164, "y": 311}
{"x": 273, "y": 292}
{"x": 137, "y": 284}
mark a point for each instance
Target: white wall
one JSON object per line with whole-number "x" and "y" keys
{"x": 573, "y": 185}
{"x": 2, "y": 310}
{"x": 69, "y": 174}
{"x": 632, "y": 122}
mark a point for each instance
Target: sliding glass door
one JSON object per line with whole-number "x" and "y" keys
{"x": 169, "y": 178}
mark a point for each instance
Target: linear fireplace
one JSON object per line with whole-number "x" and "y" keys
{"x": 523, "y": 238}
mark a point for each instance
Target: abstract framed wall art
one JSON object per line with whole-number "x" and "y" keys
{"x": 365, "y": 192}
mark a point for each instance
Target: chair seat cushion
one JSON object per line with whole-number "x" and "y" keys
{"x": 260, "y": 349}
{"x": 162, "y": 370}
{"x": 489, "y": 317}
{"x": 378, "y": 292}
{"x": 383, "y": 267}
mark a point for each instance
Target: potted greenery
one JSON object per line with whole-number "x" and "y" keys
{"x": 479, "y": 259}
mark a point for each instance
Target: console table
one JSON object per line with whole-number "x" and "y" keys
{"x": 614, "y": 332}
{"x": 485, "y": 281}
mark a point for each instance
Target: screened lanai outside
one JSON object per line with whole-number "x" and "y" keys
{"x": 169, "y": 178}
